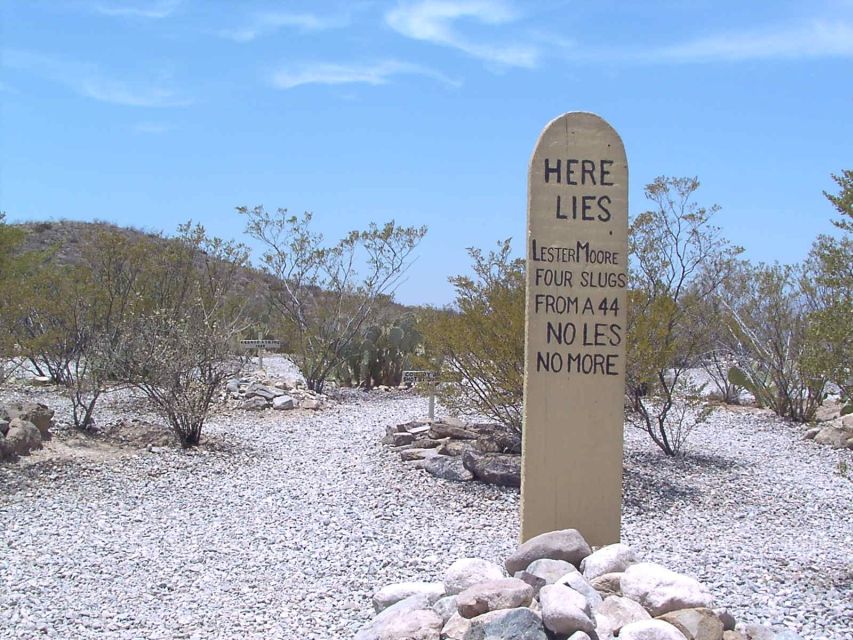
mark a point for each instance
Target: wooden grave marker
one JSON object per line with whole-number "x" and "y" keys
{"x": 574, "y": 383}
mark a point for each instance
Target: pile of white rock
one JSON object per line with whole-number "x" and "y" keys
{"x": 554, "y": 587}
{"x": 258, "y": 391}
{"x": 24, "y": 426}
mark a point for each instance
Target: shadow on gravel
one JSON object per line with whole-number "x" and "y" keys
{"x": 654, "y": 482}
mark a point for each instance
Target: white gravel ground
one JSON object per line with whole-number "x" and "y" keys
{"x": 286, "y": 523}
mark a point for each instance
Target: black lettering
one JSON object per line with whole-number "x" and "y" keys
{"x": 549, "y": 170}
{"x": 605, "y": 173}
{"x": 570, "y": 172}
{"x": 587, "y": 169}
{"x": 586, "y": 205}
{"x": 605, "y": 216}
{"x": 560, "y": 216}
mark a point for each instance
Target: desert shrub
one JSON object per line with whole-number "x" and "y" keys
{"x": 775, "y": 356}
{"x": 678, "y": 259}
{"x": 326, "y": 295}
{"x": 179, "y": 342}
{"x": 478, "y": 345}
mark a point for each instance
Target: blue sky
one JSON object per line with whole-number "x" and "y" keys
{"x": 152, "y": 112}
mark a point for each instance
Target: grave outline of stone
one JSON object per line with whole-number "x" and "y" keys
{"x": 577, "y": 223}
{"x": 414, "y": 376}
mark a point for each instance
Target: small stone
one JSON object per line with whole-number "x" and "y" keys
{"x": 310, "y": 403}
{"x": 660, "y": 590}
{"x": 394, "y": 593}
{"x": 608, "y": 585}
{"x": 444, "y": 429}
{"x": 445, "y": 607}
{"x": 254, "y": 404}
{"x": 564, "y": 610}
{"x": 550, "y": 570}
{"x": 504, "y": 593}
{"x": 507, "y": 624}
{"x": 567, "y": 544}
{"x": 621, "y": 611}
{"x": 408, "y": 455}
{"x": 23, "y": 436}
{"x": 467, "y": 572}
{"x": 613, "y": 558}
{"x": 696, "y": 624}
{"x": 726, "y": 618}
{"x": 447, "y": 468}
{"x": 650, "y": 630}
{"x": 502, "y": 469}
{"x": 577, "y": 582}
{"x": 417, "y": 625}
{"x": 455, "y": 628}
{"x": 282, "y": 403}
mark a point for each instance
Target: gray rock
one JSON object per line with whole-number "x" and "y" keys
{"x": 613, "y": 558}
{"x": 507, "y": 624}
{"x": 550, "y": 570}
{"x": 496, "y": 439}
{"x": 394, "y": 593}
{"x": 504, "y": 593}
{"x": 262, "y": 391}
{"x": 23, "y": 436}
{"x": 564, "y": 610}
{"x": 4, "y": 426}
{"x": 567, "y": 544}
{"x": 660, "y": 590}
{"x": 443, "y": 429}
{"x": 534, "y": 581}
{"x": 408, "y": 455}
{"x": 696, "y": 624}
{"x": 454, "y": 447}
{"x": 374, "y": 630}
{"x": 397, "y": 439}
{"x": 282, "y": 403}
{"x": 608, "y": 585}
{"x": 445, "y": 607}
{"x": 38, "y": 414}
{"x": 416, "y": 625}
{"x": 447, "y": 468}
{"x": 502, "y": 469}
{"x": 836, "y": 436}
{"x": 455, "y": 628}
{"x": 758, "y": 632}
{"x": 577, "y": 582}
{"x": 726, "y": 618}
{"x": 426, "y": 443}
{"x": 254, "y": 404}
{"x": 467, "y": 572}
{"x": 310, "y": 403}
{"x": 621, "y": 611}
{"x": 650, "y": 630}
{"x": 233, "y": 387}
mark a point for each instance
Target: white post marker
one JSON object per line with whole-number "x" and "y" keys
{"x": 574, "y": 382}
{"x": 415, "y": 376}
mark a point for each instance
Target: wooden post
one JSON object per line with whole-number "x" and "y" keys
{"x": 574, "y": 383}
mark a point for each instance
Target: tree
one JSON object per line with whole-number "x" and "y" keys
{"x": 478, "y": 346}
{"x": 179, "y": 343}
{"x": 678, "y": 258}
{"x": 10, "y": 240}
{"x": 326, "y": 295}
{"x": 828, "y": 286}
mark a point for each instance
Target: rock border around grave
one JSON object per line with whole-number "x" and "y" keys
{"x": 555, "y": 586}
{"x": 24, "y": 427}
{"x": 459, "y": 451}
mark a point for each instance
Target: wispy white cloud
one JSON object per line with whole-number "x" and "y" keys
{"x": 155, "y": 128}
{"x": 339, "y": 74}
{"x": 87, "y": 80}
{"x": 813, "y": 39}
{"x": 436, "y": 21}
{"x": 265, "y": 23}
{"x": 151, "y": 9}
